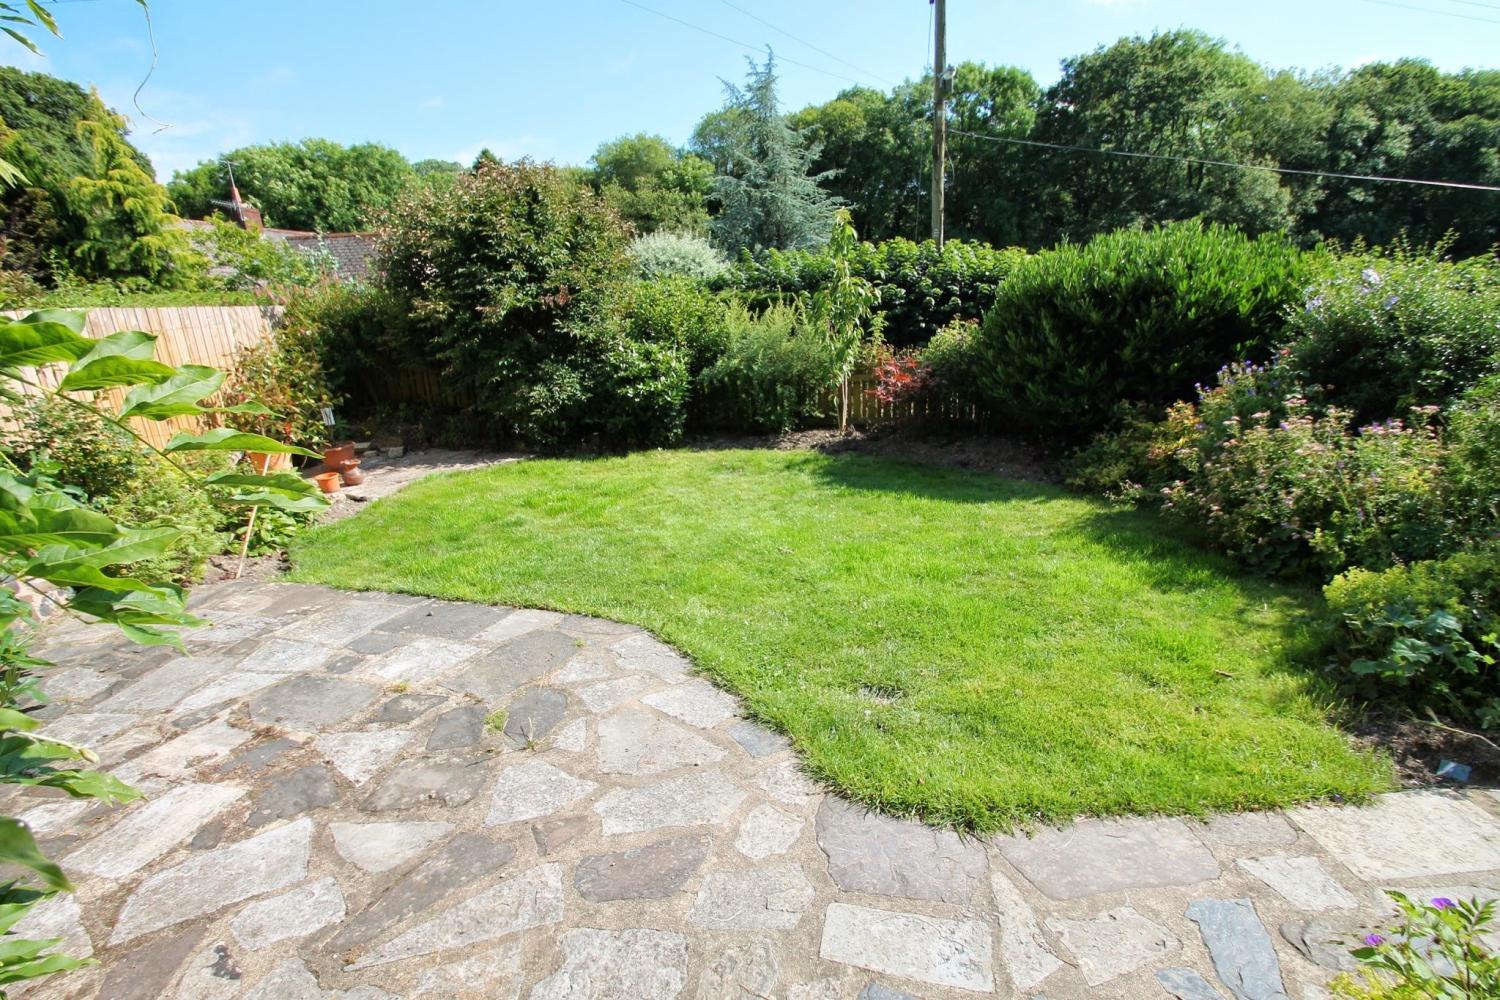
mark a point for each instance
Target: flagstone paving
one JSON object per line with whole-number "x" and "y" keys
{"x": 368, "y": 797}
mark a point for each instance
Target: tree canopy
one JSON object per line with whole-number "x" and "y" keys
{"x": 652, "y": 184}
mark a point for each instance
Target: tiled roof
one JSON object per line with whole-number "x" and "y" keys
{"x": 351, "y": 252}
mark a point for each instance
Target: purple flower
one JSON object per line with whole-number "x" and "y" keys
{"x": 1370, "y": 276}
{"x": 1374, "y": 940}
{"x": 1443, "y": 903}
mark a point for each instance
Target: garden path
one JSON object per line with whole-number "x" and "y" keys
{"x": 334, "y": 812}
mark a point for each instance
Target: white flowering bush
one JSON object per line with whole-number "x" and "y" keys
{"x": 671, "y": 255}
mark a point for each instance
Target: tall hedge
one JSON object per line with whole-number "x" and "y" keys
{"x": 1132, "y": 315}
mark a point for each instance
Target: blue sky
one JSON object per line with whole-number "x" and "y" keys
{"x": 443, "y": 78}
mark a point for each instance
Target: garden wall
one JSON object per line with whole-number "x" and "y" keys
{"x": 197, "y": 335}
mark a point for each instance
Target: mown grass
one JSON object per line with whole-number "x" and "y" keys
{"x": 969, "y": 649}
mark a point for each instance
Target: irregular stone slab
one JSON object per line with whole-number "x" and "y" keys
{"x": 210, "y": 881}
{"x": 417, "y": 783}
{"x": 1185, "y": 984}
{"x": 640, "y": 653}
{"x": 295, "y": 914}
{"x": 406, "y": 707}
{"x": 757, "y": 740}
{"x": 519, "y": 623}
{"x": 928, "y": 949}
{"x": 76, "y": 684}
{"x": 766, "y": 832}
{"x": 532, "y": 715}
{"x": 1325, "y": 942}
{"x": 772, "y": 897}
{"x": 1095, "y": 856}
{"x": 444, "y": 620}
{"x": 1026, "y": 956}
{"x": 358, "y": 756}
{"x": 879, "y": 991}
{"x": 694, "y": 800}
{"x": 496, "y": 972}
{"x": 421, "y": 659}
{"x": 463, "y": 861}
{"x": 311, "y": 702}
{"x": 57, "y": 917}
{"x": 746, "y": 971}
{"x": 1407, "y": 835}
{"x": 152, "y": 830}
{"x": 655, "y": 871}
{"x": 211, "y": 975}
{"x": 602, "y": 697}
{"x": 698, "y": 703}
{"x": 167, "y": 684}
{"x": 586, "y": 666}
{"x": 374, "y": 643}
{"x": 55, "y": 817}
{"x": 493, "y": 676}
{"x": 630, "y": 963}
{"x": 288, "y": 981}
{"x": 144, "y": 973}
{"x": 380, "y": 847}
{"x": 1114, "y": 943}
{"x": 530, "y": 899}
{"x": 827, "y": 988}
{"x": 1240, "y": 947}
{"x": 585, "y": 625}
{"x": 283, "y": 656}
{"x": 230, "y": 687}
{"x": 868, "y": 852}
{"x": 552, "y": 834}
{"x": 786, "y": 783}
{"x": 574, "y": 737}
{"x": 1242, "y": 831}
{"x": 178, "y": 758}
{"x": 89, "y": 728}
{"x": 633, "y": 741}
{"x": 337, "y": 625}
{"x": 304, "y": 790}
{"x": 531, "y": 789}
{"x": 1302, "y": 881}
{"x": 457, "y": 728}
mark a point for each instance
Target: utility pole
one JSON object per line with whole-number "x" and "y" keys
{"x": 939, "y": 113}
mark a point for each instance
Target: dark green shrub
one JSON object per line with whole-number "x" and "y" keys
{"x": 679, "y": 313}
{"x": 1471, "y": 468}
{"x": 1130, "y": 316}
{"x": 770, "y": 377}
{"x": 1393, "y": 329}
{"x": 1423, "y": 634}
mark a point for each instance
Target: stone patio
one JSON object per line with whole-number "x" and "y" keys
{"x": 333, "y": 811}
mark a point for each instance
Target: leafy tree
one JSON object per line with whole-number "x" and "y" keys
{"x": 315, "y": 184}
{"x": 842, "y": 306}
{"x": 768, "y": 192}
{"x": 653, "y": 185}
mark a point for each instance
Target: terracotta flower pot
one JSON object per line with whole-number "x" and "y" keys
{"x": 328, "y": 482}
{"x": 336, "y": 454}
{"x": 267, "y": 462}
{"x": 349, "y": 470}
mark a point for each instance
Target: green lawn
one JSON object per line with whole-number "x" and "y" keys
{"x": 947, "y": 644}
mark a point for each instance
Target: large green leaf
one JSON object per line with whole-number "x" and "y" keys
{"x": 72, "y": 573}
{"x": 177, "y": 396}
{"x": 229, "y": 439}
{"x": 283, "y": 490}
{"x": 40, "y": 339}
{"x": 73, "y": 319}
{"x": 132, "y": 545}
{"x": 124, "y": 358}
{"x": 77, "y": 527}
{"x": 18, "y": 847}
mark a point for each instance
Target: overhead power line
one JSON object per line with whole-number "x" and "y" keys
{"x": 803, "y": 41}
{"x": 1434, "y": 10}
{"x": 1477, "y": 3}
{"x": 1461, "y": 185}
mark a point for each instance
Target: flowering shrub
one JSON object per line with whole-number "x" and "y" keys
{"x": 1434, "y": 952}
{"x": 676, "y": 255}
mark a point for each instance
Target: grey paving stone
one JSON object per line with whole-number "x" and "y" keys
{"x": 212, "y": 974}
{"x": 694, "y": 800}
{"x": 180, "y": 757}
{"x": 557, "y": 832}
{"x": 520, "y": 622}
{"x": 346, "y": 663}
{"x": 457, "y": 728}
{"x": 533, "y": 714}
{"x": 494, "y": 972}
{"x": 57, "y": 917}
{"x": 640, "y": 653}
{"x": 424, "y": 783}
{"x": 532, "y": 789}
{"x": 1246, "y": 831}
{"x": 311, "y": 702}
{"x": 955, "y": 953}
{"x": 1301, "y": 881}
{"x": 656, "y": 871}
{"x": 373, "y": 643}
{"x": 381, "y": 847}
{"x": 210, "y": 881}
{"x": 1326, "y": 942}
{"x": 696, "y": 702}
{"x": 1022, "y": 948}
{"x": 1186, "y": 984}
{"x": 284, "y": 656}
{"x": 144, "y": 973}
{"x": 460, "y": 863}
{"x": 827, "y": 988}
{"x": 879, "y": 991}
{"x": 304, "y": 790}
{"x": 744, "y": 971}
{"x": 229, "y": 627}
{"x": 290, "y": 980}
{"x": 297, "y": 600}
{"x": 574, "y": 737}
{"x": 868, "y": 852}
{"x": 1114, "y": 943}
{"x": 89, "y": 728}
{"x": 406, "y": 707}
{"x": 422, "y": 659}
{"x": 771, "y": 897}
{"x": 634, "y": 741}
{"x": 1407, "y": 835}
{"x": 55, "y": 817}
{"x": 584, "y": 625}
{"x": 166, "y": 685}
{"x": 338, "y": 623}
{"x": 76, "y": 684}
{"x": 587, "y": 665}
{"x": 530, "y": 899}
{"x": 257, "y": 759}
{"x": 495, "y": 674}
{"x": 152, "y": 829}
{"x": 444, "y": 620}
{"x": 358, "y": 756}
{"x": 786, "y": 783}
{"x": 209, "y": 836}
{"x": 767, "y": 832}
{"x": 601, "y": 697}
{"x": 599, "y": 964}
{"x": 294, "y": 914}
{"x": 1095, "y": 856}
{"x": 1240, "y": 947}
{"x": 757, "y": 740}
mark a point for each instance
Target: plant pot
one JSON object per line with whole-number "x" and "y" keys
{"x": 336, "y": 454}
{"x": 266, "y": 462}
{"x": 328, "y": 482}
{"x": 349, "y": 470}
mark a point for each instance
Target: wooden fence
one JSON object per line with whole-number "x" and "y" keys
{"x": 197, "y": 335}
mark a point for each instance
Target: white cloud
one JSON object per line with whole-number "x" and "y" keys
{"x": 432, "y": 104}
